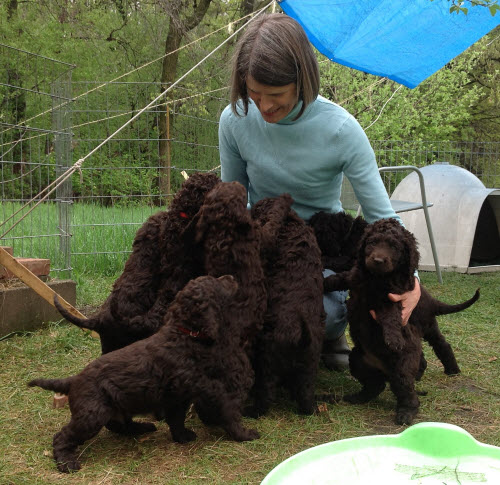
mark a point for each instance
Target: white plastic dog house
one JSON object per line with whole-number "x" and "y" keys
{"x": 465, "y": 219}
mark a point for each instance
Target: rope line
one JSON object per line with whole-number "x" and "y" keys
{"x": 173, "y": 101}
{"x": 77, "y": 165}
{"x": 382, "y": 109}
{"x": 138, "y": 68}
{"x": 20, "y": 176}
{"x": 62, "y": 178}
{"x": 341, "y": 103}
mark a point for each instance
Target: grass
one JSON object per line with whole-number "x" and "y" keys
{"x": 28, "y": 421}
{"x": 101, "y": 237}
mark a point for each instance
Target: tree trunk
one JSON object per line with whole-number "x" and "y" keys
{"x": 178, "y": 27}
{"x": 168, "y": 74}
{"x": 16, "y": 102}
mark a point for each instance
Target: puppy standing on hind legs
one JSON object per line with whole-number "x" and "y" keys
{"x": 231, "y": 242}
{"x": 190, "y": 359}
{"x": 385, "y": 350}
{"x": 289, "y": 346}
{"x": 338, "y": 235}
{"x": 161, "y": 263}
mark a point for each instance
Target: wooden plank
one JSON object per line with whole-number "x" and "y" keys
{"x": 35, "y": 283}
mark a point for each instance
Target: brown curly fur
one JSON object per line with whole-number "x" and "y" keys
{"x": 385, "y": 350}
{"x": 338, "y": 237}
{"x": 195, "y": 357}
{"x": 230, "y": 242}
{"x": 288, "y": 348}
{"x": 161, "y": 263}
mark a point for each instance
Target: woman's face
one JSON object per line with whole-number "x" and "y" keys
{"x": 274, "y": 102}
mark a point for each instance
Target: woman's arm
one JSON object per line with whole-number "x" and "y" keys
{"x": 233, "y": 167}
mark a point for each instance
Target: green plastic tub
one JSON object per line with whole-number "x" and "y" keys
{"x": 426, "y": 453}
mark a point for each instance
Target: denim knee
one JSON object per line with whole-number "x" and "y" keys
{"x": 336, "y": 312}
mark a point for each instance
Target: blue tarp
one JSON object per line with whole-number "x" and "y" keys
{"x": 404, "y": 40}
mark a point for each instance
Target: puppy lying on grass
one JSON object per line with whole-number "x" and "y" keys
{"x": 190, "y": 359}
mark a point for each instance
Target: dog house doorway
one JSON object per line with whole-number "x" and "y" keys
{"x": 465, "y": 219}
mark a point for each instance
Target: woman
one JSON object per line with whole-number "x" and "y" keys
{"x": 278, "y": 135}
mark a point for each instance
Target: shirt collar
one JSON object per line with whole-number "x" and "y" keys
{"x": 289, "y": 118}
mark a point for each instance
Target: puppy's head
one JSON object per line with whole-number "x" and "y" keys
{"x": 387, "y": 247}
{"x": 225, "y": 206}
{"x": 199, "y": 307}
{"x": 335, "y": 231}
{"x": 264, "y": 209}
{"x": 190, "y": 197}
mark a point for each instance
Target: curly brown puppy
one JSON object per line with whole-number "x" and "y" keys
{"x": 338, "y": 237}
{"x": 230, "y": 244}
{"x": 195, "y": 357}
{"x": 161, "y": 263}
{"x": 289, "y": 346}
{"x": 385, "y": 350}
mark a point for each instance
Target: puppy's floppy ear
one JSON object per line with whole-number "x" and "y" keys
{"x": 414, "y": 254}
{"x": 195, "y": 230}
{"x": 411, "y": 254}
{"x": 362, "y": 247}
{"x": 358, "y": 228}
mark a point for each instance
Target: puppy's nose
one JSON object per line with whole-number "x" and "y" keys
{"x": 378, "y": 260}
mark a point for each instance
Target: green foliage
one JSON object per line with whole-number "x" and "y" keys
{"x": 109, "y": 40}
{"x": 438, "y": 109}
{"x": 458, "y": 6}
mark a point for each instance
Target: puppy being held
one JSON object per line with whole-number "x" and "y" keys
{"x": 384, "y": 349}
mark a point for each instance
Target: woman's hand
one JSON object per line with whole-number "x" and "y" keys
{"x": 408, "y": 301}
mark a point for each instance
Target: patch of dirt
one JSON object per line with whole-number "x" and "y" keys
{"x": 469, "y": 385}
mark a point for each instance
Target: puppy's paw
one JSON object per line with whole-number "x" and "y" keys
{"x": 405, "y": 415}
{"x": 183, "y": 436}
{"x": 247, "y": 434}
{"x": 69, "y": 466}
{"x": 452, "y": 370}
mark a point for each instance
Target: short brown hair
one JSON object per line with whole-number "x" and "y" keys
{"x": 275, "y": 51}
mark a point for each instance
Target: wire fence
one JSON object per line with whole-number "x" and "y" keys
{"x": 35, "y": 135}
{"x": 88, "y": 225}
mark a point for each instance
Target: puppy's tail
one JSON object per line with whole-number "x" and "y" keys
{"x": 305, "y": 332}
{"x": 90, "y": 323}
{"x": 57, "y": 385}
{"x": 441, "y": 308}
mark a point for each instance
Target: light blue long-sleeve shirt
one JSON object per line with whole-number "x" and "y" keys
{"x": 306, "y": 158}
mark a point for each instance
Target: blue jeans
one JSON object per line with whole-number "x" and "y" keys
{"x": 336, "y": 312}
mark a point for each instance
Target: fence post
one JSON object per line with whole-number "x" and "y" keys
{"x": 164, "y": 153}
{"x": 61, "y": 121}
{"x": 169, "y": 159}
